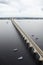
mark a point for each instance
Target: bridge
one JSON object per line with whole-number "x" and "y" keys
{"x": 34, "y": 47}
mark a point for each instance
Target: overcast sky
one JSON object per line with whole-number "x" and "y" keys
{"x": 25, "y": 8}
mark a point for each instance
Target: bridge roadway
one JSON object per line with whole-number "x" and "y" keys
{"x": 10, "y": 40}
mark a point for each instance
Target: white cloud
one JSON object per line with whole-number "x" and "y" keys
{"x": 21, "y": 8}
{"x": 4, "y": 1}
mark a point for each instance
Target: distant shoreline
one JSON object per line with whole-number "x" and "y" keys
{"x": 21, "y": 18}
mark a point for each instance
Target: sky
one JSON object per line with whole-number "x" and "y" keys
{"x": 21, "y": 8}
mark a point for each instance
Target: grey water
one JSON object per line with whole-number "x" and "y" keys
{"x": 34, "y": 28}
{"x": 10, "y": 40}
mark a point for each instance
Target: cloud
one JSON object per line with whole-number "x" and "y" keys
{"x": 4, "y": 1}
{"x": 21, "y": 8}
